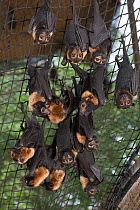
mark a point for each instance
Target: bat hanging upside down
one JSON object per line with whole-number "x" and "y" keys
{"x": 31, "y": 139}
{"x": 90, "y": 90}
{"x": 42, "y": 101}
{"x": 84, "y": 129}
{"x": 76, "y": 39}
{"x": 99, "y": 38}
{"x": 89, "y": 173}
{"x": 42, "y": 24}
{"x": 127, "y": 82}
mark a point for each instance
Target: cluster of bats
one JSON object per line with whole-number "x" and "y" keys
{"x": 75, "y": 139}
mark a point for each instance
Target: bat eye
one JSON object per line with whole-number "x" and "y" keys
{"x": 80, "y": 55}
{"x": 97, "y": 59}
{"x": 73, "y": 55}
{"x": 43, "y": 109}
{"x": 121, "y": 104}
{"x": 41, "y": 37}
{"x": 128, "y": 102}
{"x": 83, "y": 105}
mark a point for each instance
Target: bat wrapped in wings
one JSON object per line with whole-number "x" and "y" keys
{"x": 31, "y": 139}
{"x": 89, "y": 173}
{"x": 76, "y": 40}
{"x": 99, "y": 38}
{"x": 84, "y": 130}
{"x": 42, "y": 101}
{"x": 66, "y": 148}
{"x": 90, "y": 90}
{"x": 127, "y": 82}
{"x": 42, "y": 24}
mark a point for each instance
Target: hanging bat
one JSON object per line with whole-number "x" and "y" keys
{"x": 84, "y": 129}
{"x": 90, "y": 90}
{"x": 63, "y": 142}
{"x": 31, "y": 139}
{"x": 42, "y": 101}
{"x": 39, "y": 89}
{"x": 99, "y": 38}
{"x": 127, "y": 82}
{"x": 42, "y": 24}
{"x": 89, "y": 173}
{"x": 76, "y": 40}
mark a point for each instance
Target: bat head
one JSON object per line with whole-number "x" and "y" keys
{"x": 99, "y": 58}
{"x": 92, "y": 143}
{"x": 22, "y": 155}
{"x": 67, "y": 157}
{"x": 43, "y": 36}
{"x": 75, "y": 55}
{"x": 124, "y": 101}
{"x": 86, "y": 106}
{"x": 91, "y": 189}
{"x": 41, "y": 109}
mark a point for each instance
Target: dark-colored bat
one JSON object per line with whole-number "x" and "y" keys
{"x": 84, "y": 129}
{"x": 31, "y": 139}
{"x": 63, "y": 142}
{"x": 99, "y": 38}
{"x": 89, "y": 173}
{"x": 39, "y": 89}
{"x": 76, "y": 40}
{"x": 42, "y": 24}
{"x": 127, "y": 82}
{"x": 42, "y": 101}
{"x": 90, "y": 90}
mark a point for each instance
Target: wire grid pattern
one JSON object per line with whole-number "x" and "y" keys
{"x": 118, "y": 130}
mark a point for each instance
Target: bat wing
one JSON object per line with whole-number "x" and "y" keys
{"x": 80, "y": 32}
{"x": 97, "y": 172}
{"x": 96, "y": 81}
{"x": 50, "y": 20}
{"x": 30, "y": 28}
{"x": 97, "y": 30}
{"x": 134, "y": 82}
{"x": 82, "y": 74}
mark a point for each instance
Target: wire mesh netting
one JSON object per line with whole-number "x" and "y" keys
{"x": 118, "y": 130}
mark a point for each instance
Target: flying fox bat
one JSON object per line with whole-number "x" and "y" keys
{"x": 66, "y": 148}
{"x": 90, "y": 90}
{"x": 127, "y": 82}
{"x": 84, "y": 130}
{"x": 31, "y": 139}
{"x": 42, "y": 24}
{"x": 76, "y": 40}
{"x": 39, "y": 89}
{"x": 89, "y": 173}
{"x": 42, "y": 101}
{"x": 99, "y": 38}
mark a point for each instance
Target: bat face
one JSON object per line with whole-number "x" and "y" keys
{"x": 92, "y": 144}
{"x": 91, "y": 189}
{"x": 124, "y": 101}
{"x": 75, "y": 55}
{"x": 67, "y": 158}
{"x": 41, "y": 109}
{"x": 99, "y": 58}
{"x": 22, "y": 155}
{"x": 43, "y": 36}
{"x": 86, "y": 106}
